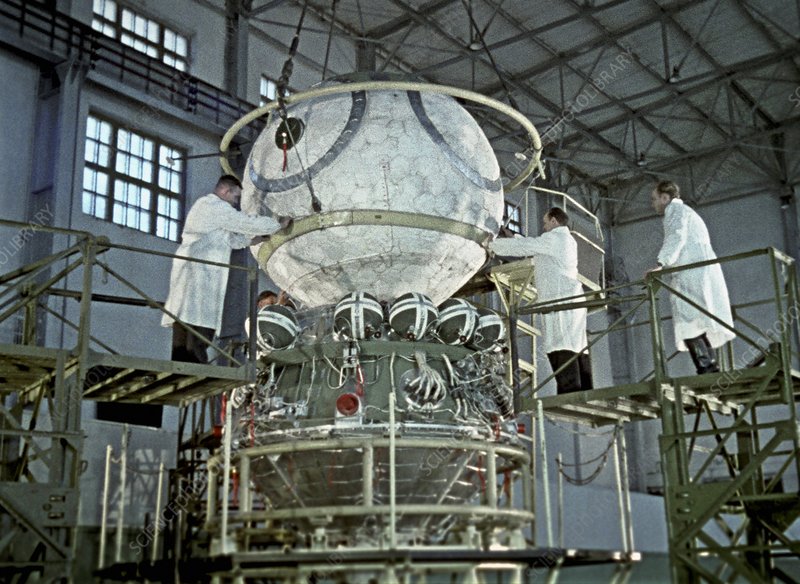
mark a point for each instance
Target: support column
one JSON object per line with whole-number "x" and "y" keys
{"x": 236, "y": 46}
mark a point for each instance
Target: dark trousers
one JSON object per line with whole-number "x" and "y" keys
{"x": 187, "y": 347}
{"x": 577, "y": 376}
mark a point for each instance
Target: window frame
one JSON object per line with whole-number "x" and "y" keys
{"x": 514, "y": 224}
{"x": 113, "y": 175}
{"x": 264, "y": 99}
{"x": 163, "y": 51}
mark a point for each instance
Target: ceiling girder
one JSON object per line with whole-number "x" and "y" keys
{"x": 664, "y": 165}
{"x": 584, "y": 47}
{"x": 697, "y": 46}
{"x": 554, "y": 108}
{"x": 704, "y": 81}
{"x": 667, "y": 86}
{"x": 393, "y": 26}
{"x": 264, "y": 7}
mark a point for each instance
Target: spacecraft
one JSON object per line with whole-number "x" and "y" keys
{"x": 382, "y": 417}
{"x": 407, "y": 187}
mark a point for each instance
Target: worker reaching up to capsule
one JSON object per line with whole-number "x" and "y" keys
{"x": 214, "y": 226}
{"x": 555, "y": 254}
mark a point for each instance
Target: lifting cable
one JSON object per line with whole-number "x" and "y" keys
{"x": 283, "y": 83}
{"x": 330, "y": 38}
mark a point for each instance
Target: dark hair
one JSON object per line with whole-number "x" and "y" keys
{"x": 228, "y": 180}
{"x": 559, "y": 215}
{"x": 266, "y": 294}
{"x": 669, "y": 188}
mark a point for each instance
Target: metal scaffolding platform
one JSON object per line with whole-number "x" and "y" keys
{"x": 41, "y": 439}
{"x": 736, "y": 527}
{"x": 118, "y": 378}
{"x": 720, "y": 528}
{"x": 624, "y": 403}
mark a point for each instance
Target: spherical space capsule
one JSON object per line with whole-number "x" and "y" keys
{"x": 490, "y": 330}
{"x": 411, "y": 315}
{"x": 457, "y": 321}
{"x": 277, "y": 328}
{"x": 358, "y": 316}
{"x": 390, "y": 190}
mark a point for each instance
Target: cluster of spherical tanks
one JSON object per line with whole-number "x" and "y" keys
{"x": 411, "y": 317}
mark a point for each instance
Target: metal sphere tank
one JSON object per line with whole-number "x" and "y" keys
{"x": 408, "y": 189}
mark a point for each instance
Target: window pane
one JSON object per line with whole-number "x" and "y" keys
{"x": 94, "y": 205}
{"x": 139, "y": 168}
{"x": 124, "y": 140}
{"x": 153, "y": 31}
{"x": 182, "y": 46}
{"x": 169, "y": 39}
{"x": 139, "y": 26}
{"x": 167, "y": 228}
{"x": 110, "y": 11}
{"x": 127, "y": 19}
{"x": 164, "y": 155}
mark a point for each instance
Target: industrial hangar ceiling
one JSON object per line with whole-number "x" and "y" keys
{"x": 623, "y": 92}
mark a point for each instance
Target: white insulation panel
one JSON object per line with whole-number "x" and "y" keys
{"x": 377, "y": 150}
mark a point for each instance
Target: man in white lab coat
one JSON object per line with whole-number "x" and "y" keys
{"x": 555, "y": 254}
{"x": 686, "y": 241}
{"x": 213, "y": 228}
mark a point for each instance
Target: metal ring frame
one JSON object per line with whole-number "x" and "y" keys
{"x": 398, "y": 86}
{"x": 489, "y": 512}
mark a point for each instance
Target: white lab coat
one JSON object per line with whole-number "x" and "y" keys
{"x": 213, "y": 228}
{"x": 555, "y": 272}
{"x": 686, "y": 241}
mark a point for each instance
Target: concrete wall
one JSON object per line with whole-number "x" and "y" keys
{"x": 17, "y": 117}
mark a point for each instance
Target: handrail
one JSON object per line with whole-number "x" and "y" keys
{"x": 65, "y": 37}
{"x": 654, "y": 282}
{"x": 576, "y": 204}
{"x": 18, "y": 282}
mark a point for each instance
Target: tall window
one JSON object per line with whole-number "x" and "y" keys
{"x": 512, "y": 217}
{"x": 132, "y": 180}
{"x": 143, "y": 34}
{"x": 268, "y": 91}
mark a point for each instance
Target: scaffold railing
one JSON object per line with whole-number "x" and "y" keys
{"x": 45, "y": 377}
{"x": 109, "y": 375}
{"x": 730, "y": 451}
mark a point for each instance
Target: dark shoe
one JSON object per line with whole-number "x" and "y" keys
{"x": 568, "y": 380}
{"x": 702, "y": 354}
